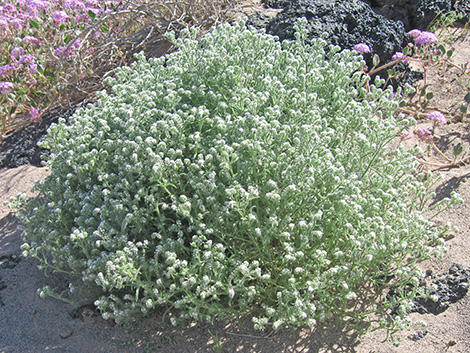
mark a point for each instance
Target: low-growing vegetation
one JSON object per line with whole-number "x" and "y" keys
{"x": 238, "y": 175}
{"x": 56, "y": 53}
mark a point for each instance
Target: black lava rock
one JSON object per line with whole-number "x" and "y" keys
{"x": 412, "y": 13}
{"x": 463, "y": 7}
{"x": 21, "y": 147}
{"x": 407, "y": 76}
{"x": 419, "y": 13}
{"x": 428, "y": 10}
{"x": 277, "y": 4}
{"x": 9, "y": 261}
{"x": 448, "y": 289}
{"x": 347, "y": 24}
{"x": 401, "y": 10}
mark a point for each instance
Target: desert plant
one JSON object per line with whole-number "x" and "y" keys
{"x": 56, "y": 53}
{"x": 237, "y": 175}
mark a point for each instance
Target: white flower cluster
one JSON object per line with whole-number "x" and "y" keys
{"x": 237, "y": 173}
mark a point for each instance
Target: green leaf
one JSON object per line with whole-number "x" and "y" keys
{"x": 375, "y": 60}
{"x": 40, "y": 69}
{"x": 21, "y": 91}
{"x": 92, "y": 14}
{"x": 464, "y": 108}
{"x": 467, "y": 98}
{"x": 442, "y": 49}
{"x": 449, "y": 53}
{"x": 34, "y": 24}
{"x": 423, "y": 91}
{"x": 430, "y": 95}
{"x": 406, "y": 50}
{"x": 458, "y": 148}
{"x": 104, "y": 28}
{"x": 67, "y": 40}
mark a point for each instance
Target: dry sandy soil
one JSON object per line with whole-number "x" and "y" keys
{"x": 31, "y": 324}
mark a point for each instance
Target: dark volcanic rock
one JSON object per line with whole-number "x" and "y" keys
{"x": 418, "y": 13}
{"x": 21, "y": 147}
{"x": 9, "y": 261}
{"x": 347, "y": 24}
{"x": 463, "y": 7}
{"x": 277, "y": 4}
{"x": 448, "y": 289}
{"x": 412, "y": 13}
{"x": 402, "y": 11}
{"x": 408, "y": 76}
{"x": 428, "y": 10}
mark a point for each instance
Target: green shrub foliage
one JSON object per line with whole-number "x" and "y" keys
{"x": 237, "y": 175}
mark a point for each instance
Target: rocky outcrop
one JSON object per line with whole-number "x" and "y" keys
{"x": 412, "y": 13}
{"x": 446, "y": 289}
{"x": 347, "y": 24}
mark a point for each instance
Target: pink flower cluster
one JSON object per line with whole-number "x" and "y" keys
{"x": 437, "y": 117}
{"x": 426, "y": 134}
{"x": 5, "y": 86}
{"x": 35, "y": 24}
{"x": 362, "y": 48}
{"x": 423, "y": 37}
{"x": 28, "y": 29}
{"x": 399, "y": 55}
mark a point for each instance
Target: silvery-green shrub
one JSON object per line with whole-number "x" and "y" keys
{"x": 237, "y": 175}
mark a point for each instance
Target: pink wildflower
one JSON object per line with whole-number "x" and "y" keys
{"x": 80, "y": 18}
{"x": 9, "y": 8}
{"x": 27, "y": 59}
{"x": 60, "y": 52}
{"x": 74, "y": 4}
{"x": 426, "y": 38}
{"x": 34, "y": 113}
{"x": 37, "y": 4}
{"x": 17, "y": 23}
{"x": 399, "y": 55}
{"x": 60, "y": 16}
{"x": 437, "y": 116}
{"x": 31, "y": 39}
{"x": 17, "y": 52}
{"x": 362, "y": 48}
{"x": 415, "y": 33}
{"x": 77, "y": 43}
{"x": 33, "y": 68}
{"x": 6, "y": 70}
{"x": 424, "y": 134}
{"x": 92, "y": 2}
{"x": 5, "y": 86}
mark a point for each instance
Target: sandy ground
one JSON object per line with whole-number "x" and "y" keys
{"x": 31, "y": 324}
